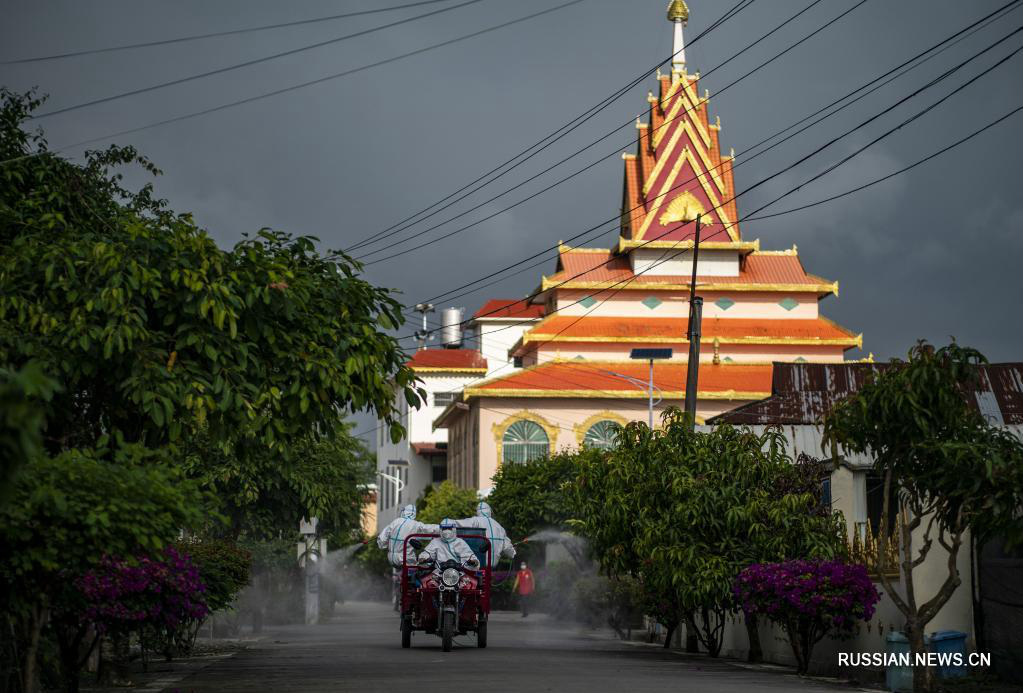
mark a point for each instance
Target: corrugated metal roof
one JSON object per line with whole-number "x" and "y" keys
{"x": 803, "y": 393}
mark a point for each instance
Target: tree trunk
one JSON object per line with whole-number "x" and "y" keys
{"x": 692, "y": 639}
{"x": 756, "y": 652}
{"x": 923, "y": 677}
{"x": 669, "y": 631}
{"x": 29, "y": 675}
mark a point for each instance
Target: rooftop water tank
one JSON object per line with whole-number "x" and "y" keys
{"x": 451, "y": 328}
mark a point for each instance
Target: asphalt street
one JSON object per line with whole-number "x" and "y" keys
{"x": 360, "y": 650}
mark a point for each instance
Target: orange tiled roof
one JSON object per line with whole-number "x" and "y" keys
{"x": 595, "y": 379}
{"x": 454, "y": 360}
{"x": 582, "y": 267}
{"x": 509, "y": 308}
{"x": 569, "y": 327}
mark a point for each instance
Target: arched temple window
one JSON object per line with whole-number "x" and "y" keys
{"x": 601, "y": 435}
{"x": 524, "y": 441}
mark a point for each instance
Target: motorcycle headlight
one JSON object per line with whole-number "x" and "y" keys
{"x": 450, "y": 577}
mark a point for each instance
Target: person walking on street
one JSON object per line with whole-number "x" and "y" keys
{"x": 524, "y": 584}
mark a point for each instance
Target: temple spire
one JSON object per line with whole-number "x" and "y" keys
{"x": 678, "y": 15}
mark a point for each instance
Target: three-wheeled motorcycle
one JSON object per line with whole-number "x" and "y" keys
{"x": 451, "y": 600}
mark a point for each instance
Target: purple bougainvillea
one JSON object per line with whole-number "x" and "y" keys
{"x": 164, "y": 593}
{"x": 809, "y": 599}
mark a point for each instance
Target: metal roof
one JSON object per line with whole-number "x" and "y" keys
{"x": 802, "y": 393}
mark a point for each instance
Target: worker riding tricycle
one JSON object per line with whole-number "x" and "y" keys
{"x": 447, "y": 591}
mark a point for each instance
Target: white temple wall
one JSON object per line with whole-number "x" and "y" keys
{"x": 668, "y": 262}
{"x": 562, "y": 419}
{"x": 738, "y": 353}
{"x": 675, "y": 304}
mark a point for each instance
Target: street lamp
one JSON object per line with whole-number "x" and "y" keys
{"x": 651, "y": 355}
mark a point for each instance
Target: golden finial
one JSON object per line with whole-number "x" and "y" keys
{"x": 678, "y": 11}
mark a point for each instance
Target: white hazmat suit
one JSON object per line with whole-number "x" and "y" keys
{"x": 500, "y": 545}
{"x": 448, "y": 547}
{"x": 392, "y": 538}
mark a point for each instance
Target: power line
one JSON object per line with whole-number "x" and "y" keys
{"x": 948, "y": 42}
{"x": 557, "y": 135}
{"x": 942, "y": 77}
{"x": 232, "y": 32}
{"x": 876, "y": 181}
{"x": 591, "y": 145}
{"x": 295, "y": 87}
{"x": 975, "y": 26}
{"x": 249, "y": 63}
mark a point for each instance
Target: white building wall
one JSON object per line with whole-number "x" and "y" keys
{"x": 400, "y": 459}
{"x": 494, "y": 337}
{"x": 667, "y": 262}
{"x": 616, "y": 302}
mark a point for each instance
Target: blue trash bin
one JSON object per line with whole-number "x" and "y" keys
{"x": 950, "y": 642}
{"x": 898, "y": 678}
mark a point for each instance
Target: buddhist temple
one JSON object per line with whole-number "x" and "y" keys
{"x": 567, "y": 374}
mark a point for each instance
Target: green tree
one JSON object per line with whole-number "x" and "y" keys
{"x": 949, "y": 469}
{"x": 65, "y": 514}
{"x": 22, "y": 397}
{"x": 531, "y": 495}
{"x": 154, "y": 332}
{"x": 685, "y": 512}
{"x": 264, "y": 493}
{"x": 447, "y": 500}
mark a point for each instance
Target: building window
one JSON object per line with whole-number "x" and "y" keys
{"x": 875, "y": 504}
{"x": 602, "y": 435}
{"x": 826, "y": 494}
{"x": 524, "y": 441}
{"x": 517, "y": 362}
{"x": 439, "y": 473}
{"x": 443, "y": 399}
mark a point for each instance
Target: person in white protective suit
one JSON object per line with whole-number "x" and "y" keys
{"x": 500, "y": 545}
{"x": 392, "y": 538}
{"x": 448, "y": 546}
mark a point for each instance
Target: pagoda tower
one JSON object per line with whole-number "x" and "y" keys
{"x": 760, "y": 306}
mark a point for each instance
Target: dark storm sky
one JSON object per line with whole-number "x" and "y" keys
{"x": 933, "y": 253}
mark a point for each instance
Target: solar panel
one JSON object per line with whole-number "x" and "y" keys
{"x": 647, "y": 354}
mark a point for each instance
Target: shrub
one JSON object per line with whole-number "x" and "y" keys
{"x": 809, "y": 599}
{"x": 223, "y": 568}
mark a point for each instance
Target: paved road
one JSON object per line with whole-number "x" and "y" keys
{"x": 360, "y": 650}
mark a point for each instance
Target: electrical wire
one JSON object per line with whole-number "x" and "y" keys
{"x": 623, "y": 283}
{"x": 818, "y": 150}
{"x": 231, "y": 32}
{"x": 947, "y": 43}
{"x": 557, "y": 135}
{"x": 320, "y": 80}
{"x": 587, "y": 147}
{"x": 249, "y": 63}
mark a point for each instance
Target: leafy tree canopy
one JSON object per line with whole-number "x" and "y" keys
{"x": 447, "y": 500}
{"x": 531, "y": 495}
{"x": 945, "y": 458}
{"x": 154, "y": 331}
{"x": 263, "y": 493}
{"x": 22, "y": 397}
{"x": 685, "y": 512}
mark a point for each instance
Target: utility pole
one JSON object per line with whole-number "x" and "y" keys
{"x": 695, "y": 318}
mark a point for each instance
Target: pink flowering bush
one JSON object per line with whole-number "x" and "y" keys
{"x": 809, "y": 599}
{"x": 159, "y": 598}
